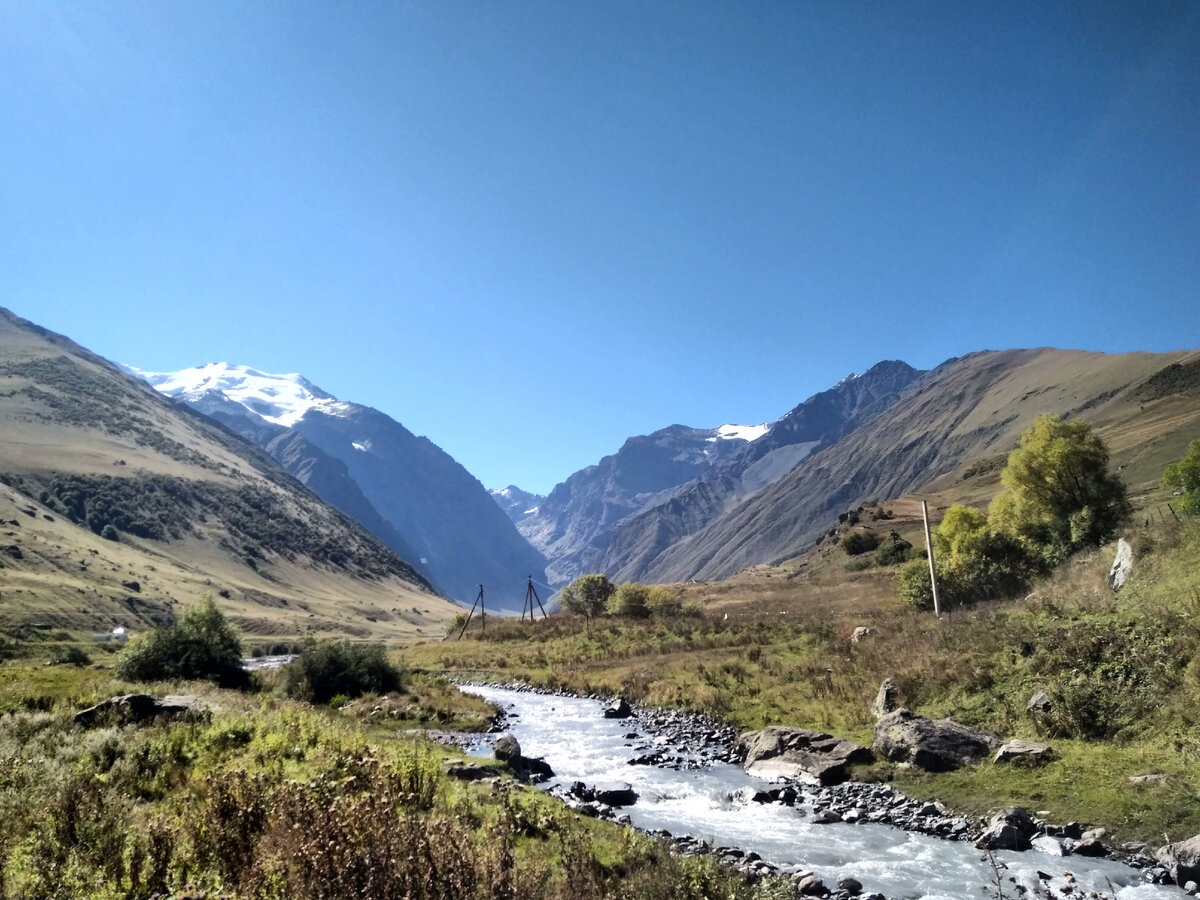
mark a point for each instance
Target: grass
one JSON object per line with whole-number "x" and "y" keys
{"x": 776, "y": 648}
{"x": 268, "y": 798}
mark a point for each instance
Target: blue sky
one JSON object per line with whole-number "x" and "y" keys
{"x": 530, "y": 230}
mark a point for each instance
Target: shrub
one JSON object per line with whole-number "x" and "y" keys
{"x": 587, "y": 596}
{"x": 630, "y": 599}
{"x": 70, "y": 656}
{"x": 110, "y": 534}
{"x": 662, "y": 603}
{"x": 857, "y": 542}
{"x": 893, "y": 553}
{"x": 204, "y": 645}
{"x": 1184, "y": 476}
{"x": 328, "y": 669}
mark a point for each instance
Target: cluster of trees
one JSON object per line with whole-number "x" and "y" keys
{"x": 205, "y": 646}
{"x": 1058, "y": 497}
{"x": 594, "y": 595}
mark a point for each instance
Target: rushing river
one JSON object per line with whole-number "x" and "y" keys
{"x": 580, "y": 745}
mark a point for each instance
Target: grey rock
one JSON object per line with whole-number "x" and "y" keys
{"x": 885, "y": 701}
{"x": 936, "y": 746}
{"x": 506, "y": 748}
{"x": 128, "y": 709}
{"x": 618, "y": 709}
{"x": 861, "y": 633}
{"x": 615, "y": 793}
{"x": 1024, "y": 753}
{"x": 1039, "y": 703}
{"x": 1018, "y": 818}
{"x": 849, "y": 885}
{"x": 1003, "y": 837}
{"x": 1122, "y": 566}
{"x": 1090, "y": 846}
{"x": 778, "y": 751}
{"x": 471, "y": 771}
{"x": 811, "y": 886}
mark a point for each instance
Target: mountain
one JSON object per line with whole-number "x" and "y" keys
{"x": 117, "y": 507}
{"x": 405, "y": 488}
{"x": 516, "y": 503}
{"x": 620, "y": 514}
{"x": 953, "y": 427}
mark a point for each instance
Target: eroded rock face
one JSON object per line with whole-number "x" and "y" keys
{"x": 936, "y": 746}
{"x": 799, "y": 753}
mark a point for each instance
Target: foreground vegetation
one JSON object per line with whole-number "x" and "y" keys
{"x": 264, "y": 797}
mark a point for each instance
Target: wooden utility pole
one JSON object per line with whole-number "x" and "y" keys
{"x": 530, "y": 596}
{"x": 937, "y": 606}
{"x": 482, "y": 615}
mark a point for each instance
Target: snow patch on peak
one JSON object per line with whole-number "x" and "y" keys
{"x": 853, "y": 376}
{"x": 280, "y": 399}
{"x": 362, "y": 448}
{"x": 747, "y": 433}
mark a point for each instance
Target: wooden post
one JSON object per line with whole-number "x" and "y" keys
{"x": 937, "y": 607}
{"x": 482, "y": 611}
{"x": 478, "y": 602}
{"x": 1173, "y": 513}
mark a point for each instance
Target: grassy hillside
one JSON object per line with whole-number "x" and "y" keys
{"x": 118, "y": 508}
{"x": 964, "y": 414}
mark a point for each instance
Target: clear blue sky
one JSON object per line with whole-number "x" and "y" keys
{"x": 529, "y": 230}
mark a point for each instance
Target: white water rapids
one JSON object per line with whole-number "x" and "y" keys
{"x": 580, "y": 745}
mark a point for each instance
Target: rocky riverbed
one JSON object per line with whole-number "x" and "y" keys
{"x": 693, "y": 746}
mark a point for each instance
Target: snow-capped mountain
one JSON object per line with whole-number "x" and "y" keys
{"x": 575, "y": 522}
{"x": 516, "y": 503}
{"x": 405, "y": 488}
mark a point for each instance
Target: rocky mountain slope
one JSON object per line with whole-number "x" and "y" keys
{"x": 516, "y": 503}
{"x": 620, "y": 514}
{"x": 406, "y": 489}
{"x": 956, "y": 424}
{"x": 118, "y": 507}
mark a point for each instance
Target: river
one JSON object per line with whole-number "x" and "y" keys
{"x": 581, "y": 745}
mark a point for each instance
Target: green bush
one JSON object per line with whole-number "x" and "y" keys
{"x": 70, "y": 656}
{"x": 1184, "y": 476}
{"x": 204, "y": 645}
{"x": 327, "y": 669}
{"x": 893, "y": 553}
{"x": 662, "y": 603}
{"x": 630, "y": 599}
{"x": 857, "y": 542}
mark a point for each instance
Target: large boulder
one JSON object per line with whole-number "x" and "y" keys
{"x": 506, "y": 748}
{"x": 1122, "y": 566}
{"x": 1024, "y": 753}
{"x": 936, "y": 746}
{"x": 133, "y": 709}
{"x": 1182, "y": 860}
{"x": 618, "y": 709}
{"x": 778, "y": 751}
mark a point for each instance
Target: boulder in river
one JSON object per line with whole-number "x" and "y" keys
{"x": 618, "y": 709}
{"x": 936, "y": 746}
{"x": 1182, "y": 859}
{"x": 506, "y": 748}
{"x": 799, "y": 753}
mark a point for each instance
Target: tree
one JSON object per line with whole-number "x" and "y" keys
{"x": 1184, "y": 476}
{"x": 587, "y": 596}
{"x": 204, "y": 645}
{"x": 1059, "y": 495}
